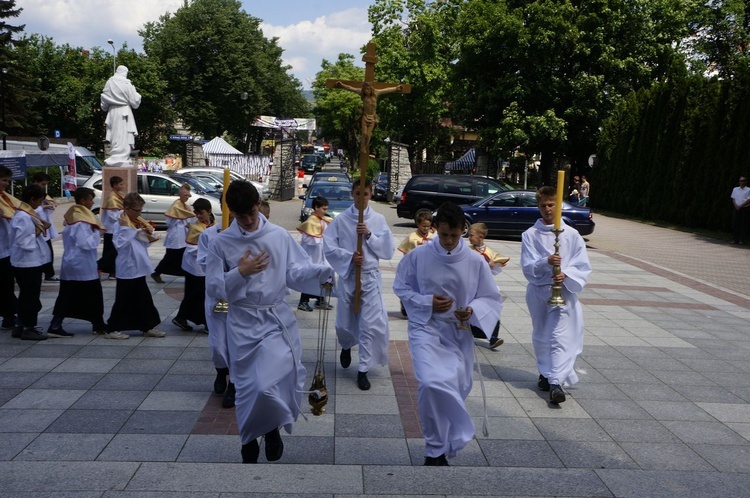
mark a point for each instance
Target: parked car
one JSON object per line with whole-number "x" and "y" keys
{"x": 159, "y": 190}
{"x": 311, "y": 164}
{"x": 380, "y": 187}
{"x": 339, "y": 195}
{"x": 514, "y": 211}
{"x": 327, "y": 176}
{"x": 215, "y": 177}
{"x": 431, "y": 191}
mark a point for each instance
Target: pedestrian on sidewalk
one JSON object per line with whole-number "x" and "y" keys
{"x": 80, "y": 293}
{"x": 45, "y": 213}
{"x": 8, "y": 205}
{"x": 133, "y": 308}
{"x": 741, "y": 219}
{"x": 369, "y": 328}
{"x": 179, "y": 216}
{"x": 110, "y": 214}
{"x": 28, "y": 255}
{"x": 557, "y": 331}
{"x": 256, "y": 261}
{"x": 434, "y": 281}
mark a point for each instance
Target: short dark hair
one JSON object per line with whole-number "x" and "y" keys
{"x": 132, "y": 200}
{"x": 40, "y": 176}
{"x": 83, "y": 193}
{"x": 450, "y": 214}
{"x": 202, "y": 205}
{"x": 5, "y": 172}
{"x": 355, "y": 183}
{"x": 319, "y": 201}
{"x": 32, "y": 191}
{"x": 422, "y": 215}
{"x": 545, "y": 193}
{"x": 114, "y": 180}
{"x": 242, "y": 197}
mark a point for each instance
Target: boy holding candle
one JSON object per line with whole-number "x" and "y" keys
{"x": 557, "y": 331}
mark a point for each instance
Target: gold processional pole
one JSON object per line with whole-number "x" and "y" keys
{"x": 222, "y": 306}
{"x": 369, "y": 90}
{"x": 557, "y": 298}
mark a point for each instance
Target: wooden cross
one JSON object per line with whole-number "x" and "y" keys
{"x": 369, "y": 89}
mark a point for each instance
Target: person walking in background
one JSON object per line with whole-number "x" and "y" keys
{"x": 179, "y": 216}
{"x": 584, "y": 191}
{"x": 557, "y": 331}
{"x": 369, "y": 328}
{"x": 110, "y": 215}
{"x": 80, "y": 293}
{"x": 45, "y": 213}
{"x": 8, "y": 205}
{"x": 741, "y": 219}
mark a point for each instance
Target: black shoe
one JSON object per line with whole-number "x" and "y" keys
{"x": 33, "y": 334}
{"x": 15, "y": 333}
{"x": 250, "y": 452}
{"x": 556, "y": 395}
{"x": 8, "y": 323}
{"x": 58, "y": 333}
{"x": 346, "y": 357}
{"x": 322, "y": 305}
{"x": 440, "y": 461}
{"x": 274, "y": 446}
{"x": 220, "y": 383}
{"x": 157, "y": 278}
{"x": 305, "y": 307}
{"x": 182, "y": 323}
{"x": 362, "y": 381}
{"x": 52, "y": 279}
{"x": 496, "y": 343}
{"x": 542, "y": 383}
{"x": 228, "y": 400}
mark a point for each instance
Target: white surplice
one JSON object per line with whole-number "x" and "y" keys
{"x": 177, "y": 230}
{"x": 368, "y": 329}
{"x": 262, "y": 333}
{"x": 132, "y": 252}
{"x": 443, "y": 356}
{"x": 80, "y": 244}
{"x": 557, "y": 332}
{"x": 216, "y": 322}
{"x": 27, "y": 249}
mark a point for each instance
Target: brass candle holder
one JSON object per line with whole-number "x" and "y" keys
{"x": 221, "y": 306}
{"x": 463, "y": 316}
{"x": 557, "y": 299}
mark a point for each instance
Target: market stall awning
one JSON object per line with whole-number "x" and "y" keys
{"x": 465, "y": 163}
{"x": 220, "y": 146}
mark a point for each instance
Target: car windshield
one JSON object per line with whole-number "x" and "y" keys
{"x": 341, "y": 192}
{"x": 198, "y": 185}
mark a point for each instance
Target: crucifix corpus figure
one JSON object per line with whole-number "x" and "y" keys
{"x": 369, "y": 90}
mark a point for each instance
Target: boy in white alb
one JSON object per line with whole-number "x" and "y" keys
{"x": 80, "y": 293}
{"x": 44, "y": 211}
{"x": 179, "y": 216}
{"x": 8, "y": 205}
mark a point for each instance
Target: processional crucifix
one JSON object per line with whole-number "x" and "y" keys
{"x": 369, "y": 90}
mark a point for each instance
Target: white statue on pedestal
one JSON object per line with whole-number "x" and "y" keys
{"x": 118, "y": 99}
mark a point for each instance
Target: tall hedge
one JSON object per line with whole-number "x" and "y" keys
{"x": 674, "y": 152}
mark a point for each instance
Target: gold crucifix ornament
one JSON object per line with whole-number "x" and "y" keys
{"x": 369, "y": 90}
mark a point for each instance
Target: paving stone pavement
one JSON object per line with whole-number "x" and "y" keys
{"x": 661, "y": 410}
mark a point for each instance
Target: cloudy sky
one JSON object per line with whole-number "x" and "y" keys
{"x": 308, "y": 30}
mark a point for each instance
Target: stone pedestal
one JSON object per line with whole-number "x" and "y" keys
{"x": 129, "y": 175}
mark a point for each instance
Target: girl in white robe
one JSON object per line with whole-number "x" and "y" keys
{"x": 442, "y": 354}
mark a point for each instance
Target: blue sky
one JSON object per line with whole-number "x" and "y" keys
{"x": 308, "y": 30}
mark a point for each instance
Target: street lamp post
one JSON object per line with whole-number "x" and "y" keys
{"x": 114, "y": 55}
{"x": 3, "y": 72}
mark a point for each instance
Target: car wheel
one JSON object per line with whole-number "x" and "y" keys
{"x": 467, "y": 225}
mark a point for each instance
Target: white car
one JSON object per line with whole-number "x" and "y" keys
{"x": 159, "y": 190}
{"x": 217, "y": 175}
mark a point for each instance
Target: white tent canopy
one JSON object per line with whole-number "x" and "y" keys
{"x": 219, "y": 154}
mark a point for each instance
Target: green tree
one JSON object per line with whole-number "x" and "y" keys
{"x": 337, "y": 111}
{"x": 721, "y": 37}
{"x": 417, "y": 44}
{"x": 14, "y": 81}
{"x": 565, "y": 65}
{"x": 211, "y": 53}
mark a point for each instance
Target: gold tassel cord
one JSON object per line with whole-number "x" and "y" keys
{"x": 318, "y": 396}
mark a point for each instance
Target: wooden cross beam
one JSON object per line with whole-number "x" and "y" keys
{"x": 369, "y": 89}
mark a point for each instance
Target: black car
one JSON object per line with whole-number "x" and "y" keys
{"x": 311, "y": 164}
{"x": 431, "y": 191}
{"x": 513, "y": 212}
{"x": 380, "y": 187}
